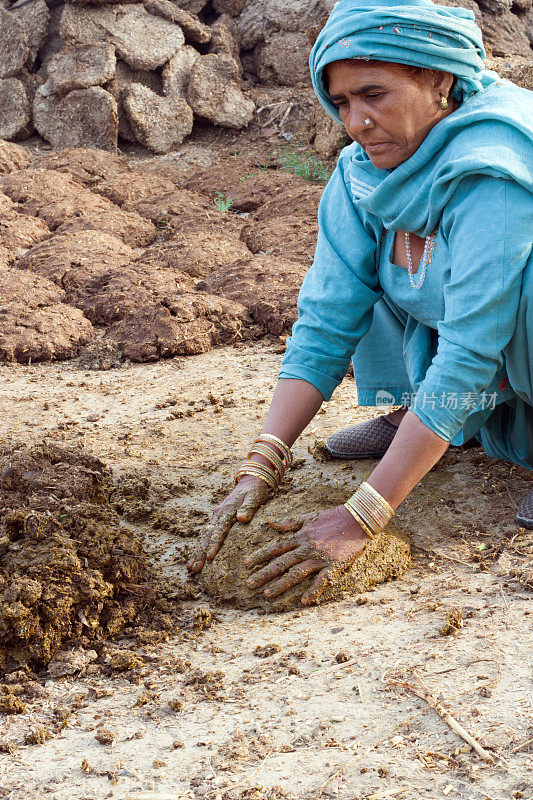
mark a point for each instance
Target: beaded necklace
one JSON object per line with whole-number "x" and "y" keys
{"x": 429, "y": 245}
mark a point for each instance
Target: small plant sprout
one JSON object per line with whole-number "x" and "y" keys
{"x": 223, "y": 203}
{"x": 306, "y": 165}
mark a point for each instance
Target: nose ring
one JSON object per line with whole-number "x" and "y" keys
{"x": 368, "y": 121}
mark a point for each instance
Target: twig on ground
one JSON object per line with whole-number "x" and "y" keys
{"x": 422, "y": 692}
{"x": 521, "y": 746}
{"x": 443, "y": 555}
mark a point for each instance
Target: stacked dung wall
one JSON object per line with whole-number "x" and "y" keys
{"x": 88, "y": 74}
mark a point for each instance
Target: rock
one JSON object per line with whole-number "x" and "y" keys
{"x": 13, "y": 158}
{"x": 284, "y": 59}
{"x": 141, "y": 39}
{"x": 34, "y": 17}
{"x": 81, "y": 66}
{"x": 224, "y": 38}
{"x": 231, "y": 7}
{"x": 159, "y": 123}
{"x": 35, "y": 325}
{"x": 505, "y": 35}
{"x": 14, "y": 109}
{"x": 124, "y": 77}
{"x": 15, "y": 45}
{"x": 193, "y": 29}
{"x": 177, "y": 71}
{"x": 522, "y": 6}
{"x": 214, "y": 93}
{"x": 496, "y": 6}
{"x": 83, "y": 118}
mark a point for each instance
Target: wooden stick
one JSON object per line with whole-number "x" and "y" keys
{"x": 524, "y": 744}
{"x": 423, "y": 693}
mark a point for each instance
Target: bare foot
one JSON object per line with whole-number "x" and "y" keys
{"x": 395, "y": 417}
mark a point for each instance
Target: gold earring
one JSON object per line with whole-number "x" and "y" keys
{"x": 443, "y": 103}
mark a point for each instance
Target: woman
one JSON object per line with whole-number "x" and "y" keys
{"x": 439, "y": 176}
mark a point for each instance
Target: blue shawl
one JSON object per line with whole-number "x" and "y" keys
{"x": 491, "y": 132}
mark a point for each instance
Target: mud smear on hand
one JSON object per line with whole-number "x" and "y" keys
{"x": 383, "y": 559}
{"x": 67, "y": 566}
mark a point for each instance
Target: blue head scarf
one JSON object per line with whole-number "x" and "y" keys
{"x": 414, "y": 32}
{"x": 490, "y": 133}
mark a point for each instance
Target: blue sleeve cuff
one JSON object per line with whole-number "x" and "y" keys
{"x": 324, "y": 383}
{"x": 440, "y": 420}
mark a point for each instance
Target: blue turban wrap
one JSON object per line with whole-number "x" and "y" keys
{"x": 414, "y": 32}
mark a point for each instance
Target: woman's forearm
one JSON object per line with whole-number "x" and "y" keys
{"x": 413, "y": 452}
{"x": 294, "y": 404}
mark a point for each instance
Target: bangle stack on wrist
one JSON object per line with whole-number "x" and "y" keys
{"x": 276, "y": 452}
{"x": 370, "y": 509}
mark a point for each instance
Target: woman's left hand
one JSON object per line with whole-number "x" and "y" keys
{"x": 317, "y": 543}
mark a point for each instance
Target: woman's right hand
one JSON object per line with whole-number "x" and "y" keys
{"x": 239, "y": 506}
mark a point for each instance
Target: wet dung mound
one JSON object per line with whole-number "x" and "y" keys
{"x": 36, "y": 324}
{"x": 383, "y": 559}
{"x": 65, "y": 562}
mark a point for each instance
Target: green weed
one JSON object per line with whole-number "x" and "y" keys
{"x": 305, "y": 164}
{"x": 222, "y": 203}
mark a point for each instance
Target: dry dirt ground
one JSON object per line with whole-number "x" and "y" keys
{"x": 308, "y": 703}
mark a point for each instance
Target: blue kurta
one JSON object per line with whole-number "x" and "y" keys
{"x": 459, "y": 351}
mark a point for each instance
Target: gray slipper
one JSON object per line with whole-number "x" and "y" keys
{"x": 524, "y": 515}
{"x": 369, "y": 439}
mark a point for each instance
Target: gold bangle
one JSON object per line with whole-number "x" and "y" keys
{"x": 270, "y": 455}
{"x": 370, "y": 507}
{"x": 361, "y": 514}
{"x": 381, "y": 500}
{"x": 259, "y": 471}
{"x": 282, "y": 447}
{"x": 360, "y": 522}
{"x": 246, "y": 465}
